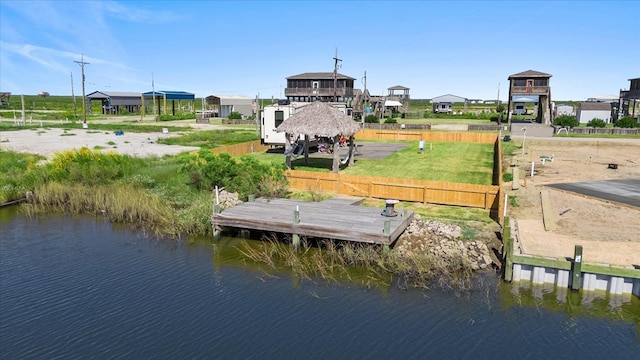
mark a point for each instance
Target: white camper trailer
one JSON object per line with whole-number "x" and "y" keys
{"x": 273, "y": 115}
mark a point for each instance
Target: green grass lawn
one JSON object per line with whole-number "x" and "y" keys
{"x": 453, "y": 162}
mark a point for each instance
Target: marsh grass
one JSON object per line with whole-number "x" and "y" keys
{"x": 121, "y": 204}
{"x": 365, "y": 265}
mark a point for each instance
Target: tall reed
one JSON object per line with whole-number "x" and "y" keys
{"x": 123, "y": 203}
{"x": 366, "y": 264}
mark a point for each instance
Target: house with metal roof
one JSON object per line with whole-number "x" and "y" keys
{"x": 319, "y": 86}
{"x": 444, "y": 103}
{"x": 223, "y": 105}
{"x": 161, "y": 97}
{"x": 115, "y": 102}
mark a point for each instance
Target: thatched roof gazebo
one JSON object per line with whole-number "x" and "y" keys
{"x": 323, "y": 120}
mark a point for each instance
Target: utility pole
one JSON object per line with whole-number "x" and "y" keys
{"x": 153, "y": 91}
{"x": 73, "y": 96}
{"x": 335, "y": 76}
{"x": 82, "y": 63}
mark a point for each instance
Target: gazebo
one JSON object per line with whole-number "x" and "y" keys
{"x": 322, "y": 120}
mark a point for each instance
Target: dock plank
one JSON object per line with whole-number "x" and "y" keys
{"x": 335, "y": 219}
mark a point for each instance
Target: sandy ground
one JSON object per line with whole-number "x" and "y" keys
{"x": 47, "y": 141}
{"x": 609, "y": 232}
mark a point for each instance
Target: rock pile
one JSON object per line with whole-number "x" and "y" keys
{"x": 228, "y": 199}
{"x": 444, "y": 242}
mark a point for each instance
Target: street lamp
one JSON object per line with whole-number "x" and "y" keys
{"x": 524, "y": 138}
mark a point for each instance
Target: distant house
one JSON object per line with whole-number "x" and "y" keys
{"x": 563, "y": 109}
{"x": 629, "y": 98}
{"x": 224, "y": 105}
{"x": 444, "y": 103}
{"x": 588, "y": 111}
{"x": 533, "y": 85}
{"x": 116, "y": 102}
{"x": 321, "y": 86}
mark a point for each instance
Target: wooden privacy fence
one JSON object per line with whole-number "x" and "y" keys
{"x": 242, "y": 148}
{"x": 433, "y": 192}
{"x": 404, "y": 135}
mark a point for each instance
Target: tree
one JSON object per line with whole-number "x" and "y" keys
{"x": 566, "y": 121}
{"x": 627, "y": 122}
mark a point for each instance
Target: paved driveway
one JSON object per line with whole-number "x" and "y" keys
{"x": 624, "y": 191}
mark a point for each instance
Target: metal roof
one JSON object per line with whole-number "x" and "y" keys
{"x": 525, "y": 98}
{"x": 398, "y": 87}
{"x": 448, "y": 98}
{"x": 529, "y": 74}
{"x": 112, "y": 94}
{"x": 171, "y": 95}
{"x": 319, "y": 76}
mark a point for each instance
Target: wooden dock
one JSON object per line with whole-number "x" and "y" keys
{"x": 337, "y": 219}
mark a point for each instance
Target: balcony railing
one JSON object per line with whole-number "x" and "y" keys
{"x": 340, "y": 92}
{"x": 534, "y": 90}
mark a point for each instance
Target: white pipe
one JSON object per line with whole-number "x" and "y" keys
{"x": 506, "y": 197}
{"x": 532, "y": 167}
{"x": 217, "y": 198}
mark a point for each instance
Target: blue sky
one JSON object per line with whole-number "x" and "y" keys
{"x": 465, "y": 48}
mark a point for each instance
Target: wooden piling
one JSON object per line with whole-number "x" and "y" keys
{"x": 217, "y": 234}
{"x": 576, "y": 268}
{"x": 295, "y": 238}
{"x": 507, "y": 250}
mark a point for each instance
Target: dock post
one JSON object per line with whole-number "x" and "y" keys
{"x": 296, "y": 220}
{"x": 387, "y": 227}
{"x": 576, "y": 268}
{"x": 507, "y": 250}
{"x": 217, "y": 234}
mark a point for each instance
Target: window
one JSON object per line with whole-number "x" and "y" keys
{"x": 315, "y": 84}
{"x": 279, "y": 116}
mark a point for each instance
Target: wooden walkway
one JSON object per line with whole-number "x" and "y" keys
{"x": 337, "y": 218}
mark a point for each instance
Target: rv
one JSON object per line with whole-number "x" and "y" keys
{"x": 273, "y": 115}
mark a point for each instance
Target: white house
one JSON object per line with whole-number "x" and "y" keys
{"x": 444, "y": 103}
{"x": 588, "y": 111}
{"x": 226, "y": 104}
{"x": 563, "y": 109}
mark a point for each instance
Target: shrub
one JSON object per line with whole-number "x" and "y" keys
{"x": 371, "y": 119}
{"x": 566, "y": 120}
{"x": 627, "y": 122}
{"x": 89, "y": 167}
{"x": 597, "y": 123}
{"x": 235, "y": 116}
{"x": 245, "y": 175}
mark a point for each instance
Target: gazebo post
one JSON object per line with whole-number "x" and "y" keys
{"x": 306, "y": 148}
{"x": 336, "y": 154}
{"x": 287, "y": 150}
{"x": 352, "y": 152}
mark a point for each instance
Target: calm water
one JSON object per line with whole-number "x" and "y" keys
{"x": 81, "y": 288}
